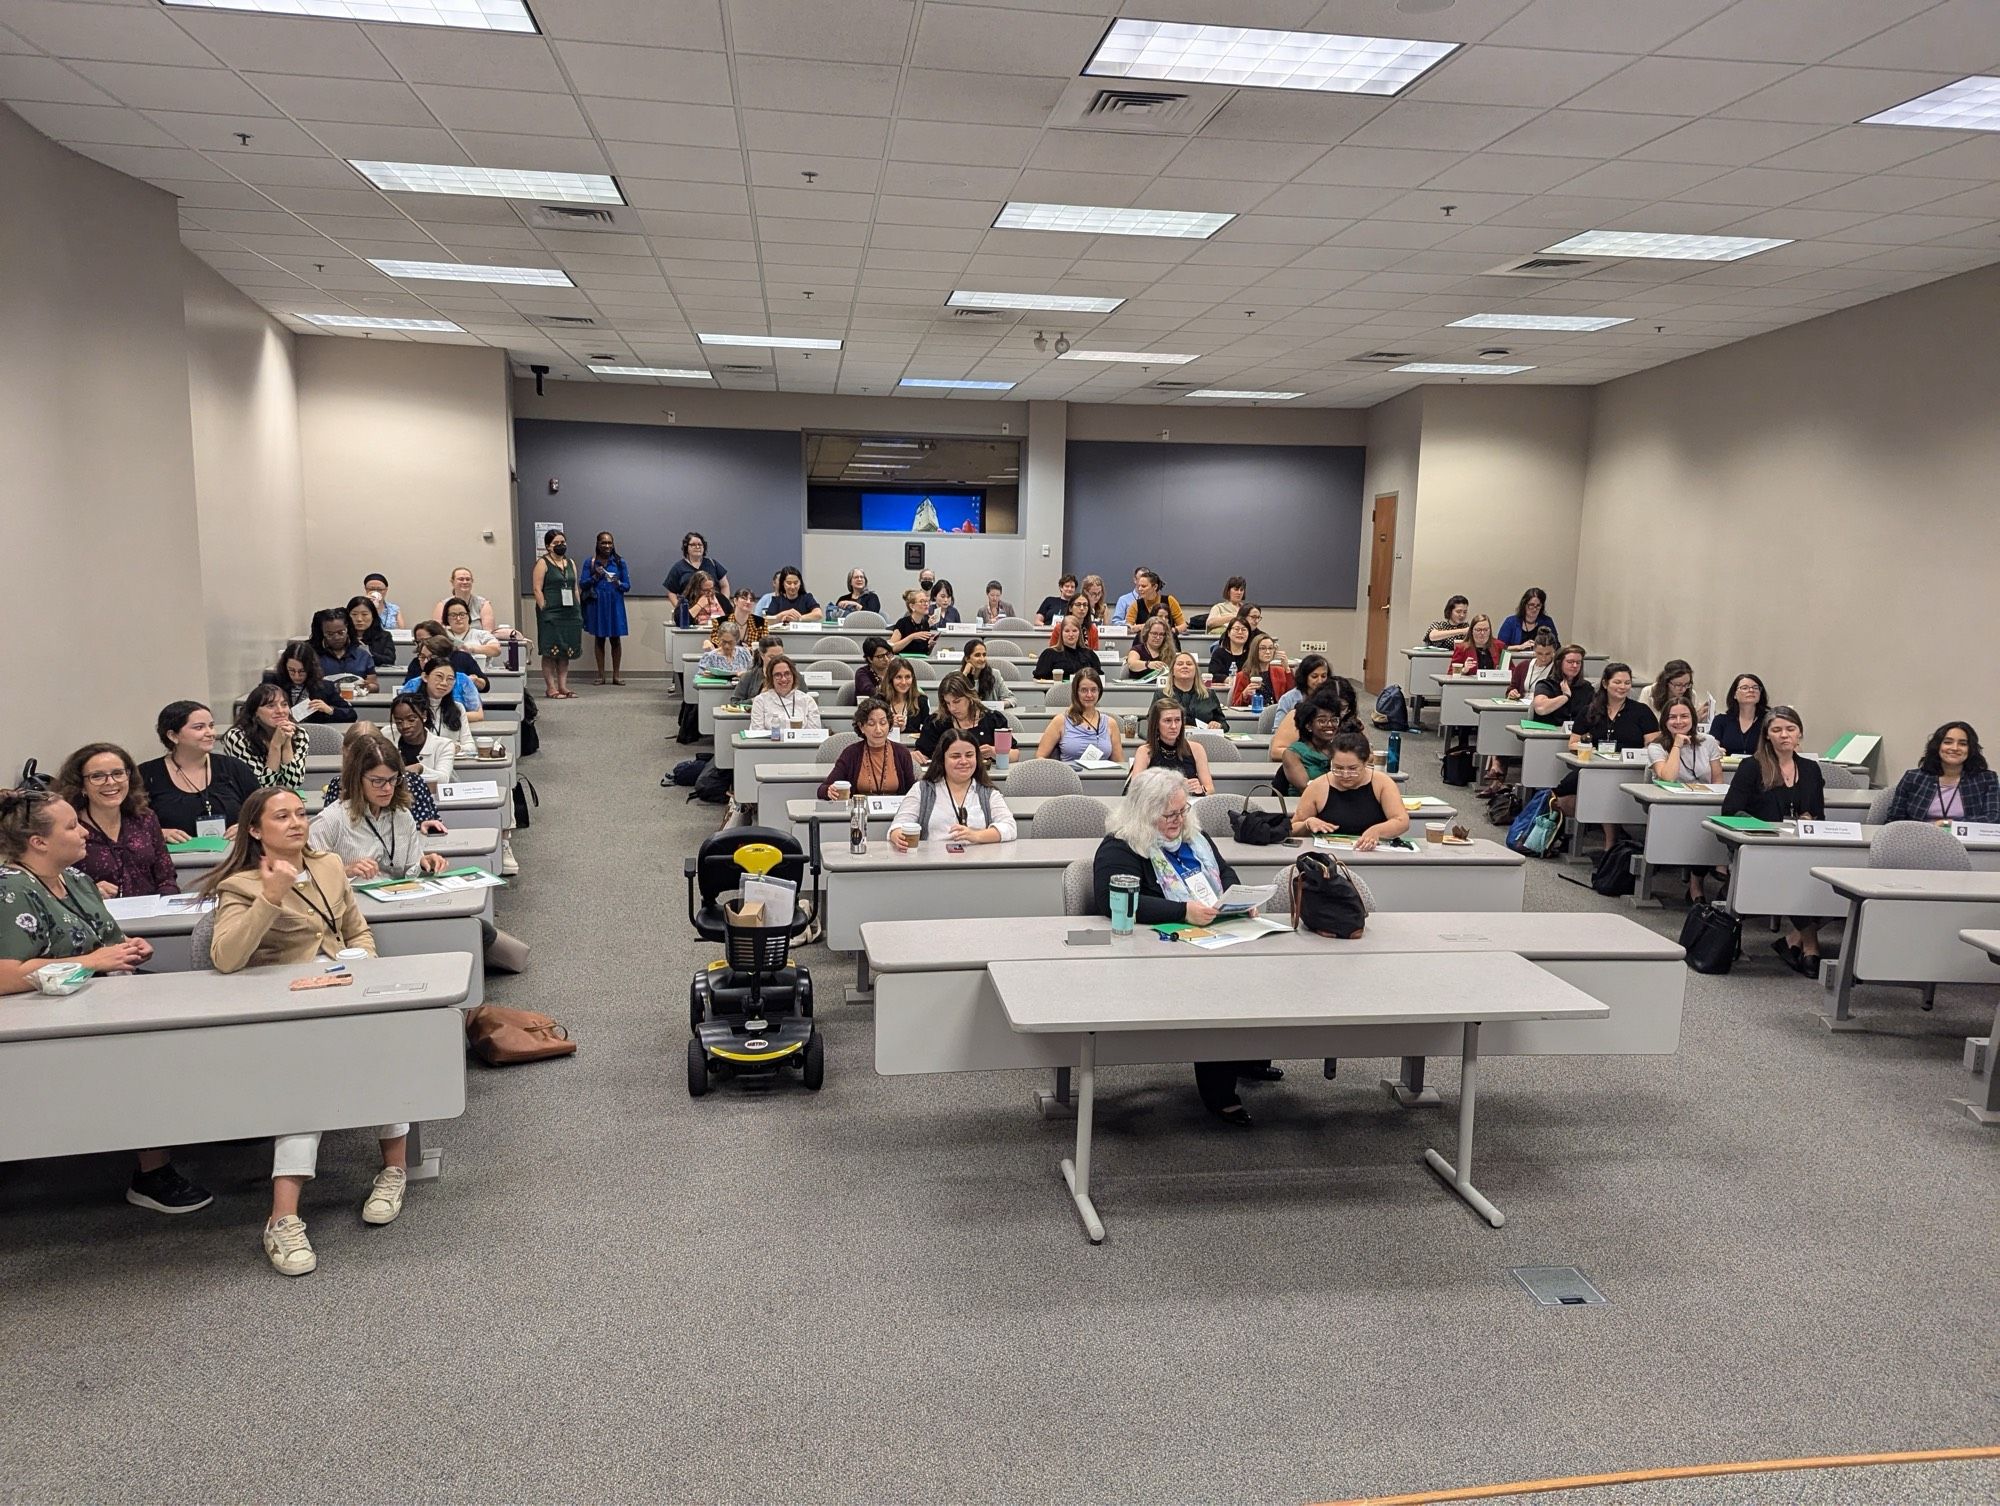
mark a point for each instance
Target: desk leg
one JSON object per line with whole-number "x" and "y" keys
{"x": 1409, "y": 1089}
{"x": 1986, "y": 1107}
{"x": 1839, "y": 974}
{"x": 1076, "y": 1172}
{"x": 424, "y": 1165}
{"x": 863, "y": 991}
{"x": 1053, "y": 1104}
{"x": 1460, "y": 1180}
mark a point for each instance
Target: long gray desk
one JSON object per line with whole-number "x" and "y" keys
{"x": 1903, "y": 927}
{"x": 1454, "y": 695}
{"x": 777, "y": 783}
{"x": 193, "y": 1058}
{"x": 1986, "y": 1108}
{"x": 474, "y": 846}
{"x": 830, "y": 816}
{"x": 402, "y": 928}
{"x": 1253, "y": 1006}
{"x": 1025, "y": 878}
{"x": 1771, "y": 873}
{"x": 1540, "y": 753}
{"x": 1496, "y": 716}
{"x": 1677, "y": 831}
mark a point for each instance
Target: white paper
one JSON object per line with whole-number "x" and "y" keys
{"x": 779, "y": 897}
{"x": 454, "y": 882}
{"x": 478, "y": 789}
{"x": 1235, "y": 932}
{"x": 1238, "y": 898}
{"x": 1830, "y": 831}
{"x": 147, "y": 906}
{"x": 1976, "y": 831}
{"x": 401, "y": 890}
{"x": 1092, "y": 756}
{"x": 301, "y": 710}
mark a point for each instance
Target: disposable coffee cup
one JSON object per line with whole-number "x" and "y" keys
{"x": 840, "y": 789}
{"x": 347, "y": 690}
{"x": 1434, "y": 831}
{"x": 910, "y": 829}
{"x": 349, "y": 954}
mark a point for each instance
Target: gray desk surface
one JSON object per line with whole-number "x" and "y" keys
{"x": 1060, "y": 852}
{"x": 1542, "y": 936}
{"x": 1648, "y": 793}
{"x": 1910, "y": 884}
{"x": 462, "y": 846}
{"x": 1987, "y": 942}
{"x": 1733, "y": 838}
{"x": 457, "y": 905}
{"x": 180, "y": 1001}
{"x": 1108, "y": 994}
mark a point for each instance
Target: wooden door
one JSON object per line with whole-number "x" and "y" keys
{"x": 1381, "y": 572}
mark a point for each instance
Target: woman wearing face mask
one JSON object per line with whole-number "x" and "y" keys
{"x": 606, "y": 579}
{"x": 461, "y": 587}
{"x": 1152, "y": 838}
{"x": 194, "y": 790}
{"x": 298, "y": 675}
{"x": 375, "y": 586}
{"x": 279, "y": 900}
{"x": 1084, "y": 726}
{"x": 50, "y": 911}
{"x": 558, "y": 615}
{"x": 1168, "y": 746}
{"x": 265, "y": 737}
{"x": 1950, "y": 783}
{"x": 1778, "y": 785}
{"x": 955, "y": 801}
{"x": 1351, "y": 799}
{"x": 124, "y": 852}
{"x": 370, "y": 633}
{"x": 370, "y": 828}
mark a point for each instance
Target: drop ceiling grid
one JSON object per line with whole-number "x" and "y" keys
{"x": 1335, "y": 262}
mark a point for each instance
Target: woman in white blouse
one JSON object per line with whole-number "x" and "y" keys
{"x": 370, "y": 828}
{"x": 467, "y": 634}
{"x": 955, "y": 801}
{"x": 1686, "y": 752}
{"x": 418, "y": 744}
{"x": 783, "y": 702}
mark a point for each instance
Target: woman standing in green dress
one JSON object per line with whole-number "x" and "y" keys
{"x": 558, "y": 614}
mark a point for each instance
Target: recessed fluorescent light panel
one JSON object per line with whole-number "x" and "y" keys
{"x": 682, "y": 374}
{"x": 771, "y": 342}
{"x": 1971, "y": 104}
{"x": 1054, "y": 303}
{"x": 969, "y": 386}
{"x": 1455, "y": 368}
{"x": 1638, "y": 243}
{"x": 1142, "y": 357}
{"x": 366, "y": 321}
{"x": 1535, "y": 321}
{"x": 490, "y": 182}
{"x": 1243, "y": 57}
{"x": 469, "y": 15}
{"x": 458, "y": 271}
{"x": 1087, "y": 219}
{"x": 1276, "y": 397}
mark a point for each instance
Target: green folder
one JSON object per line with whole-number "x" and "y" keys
{"x": 1670, "y": 784}
{"x": 199, "y": 844}
{"x": 1745, "y": 823}
{"x": 1538, "y": 726}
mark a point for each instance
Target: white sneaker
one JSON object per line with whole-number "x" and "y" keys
{"x": 290, "y": 1251}
{"x": 385, "y": 1198}
{"x": 509, "y": 868}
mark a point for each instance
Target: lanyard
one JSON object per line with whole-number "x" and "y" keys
{"x": 207, "y": 782}
{"x": 325, "y": 916}
{"x": 88, "y": 922}
{"x": 390, "y": 843}
{"x": 1947, "y": 799}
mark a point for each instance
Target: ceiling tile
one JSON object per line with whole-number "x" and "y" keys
{"x": 699, "y": 164}
{"x": 1678, "y": 86}
{"x": 1103, "y": 152}
{"x": 1635, "y": 179}
{"x": 841, "y": 174}
{"x": 45, "y": 79}
{"x": 1286, "y": 115}
{"x": 218, "y": 134}
{"x": 811, "y": 202}
{"x": 1768, "y": 187}
{"x": 153, "y": 162}
{"x": 267, "y": 169}
{"x": 643, "y": 23}
{"x": 371, "y": 143}
{"x": 988, "y": 98}
{"x": 556, "y": 154}
{"x": 818, "y": 87}
{"x": 342, "y": 201}
{"x": 357, "y": 101}
{"x": 460, "y": 108}
{"x": 1834, "y": 96}
{"x": 1792, "y": 33}
{"x": 1884, "y": 193}
{"x": 1978, "y": 159}
{"x": 147, "y": 86}
{"x": 1959, "y": 37}
{"x": 108, "y": 33}
{"x": 960, "y": 144}
{"x": 1724, "y": 143}
{"x": 95, "y": 124}
{"x": 987, "y": 37}
{"x": 1254, "y": 161}
{"x": 1501, "y": 172}
{"x": 694, "y": 78}
{"x": 700, "y": 198}
{"x": 854, "y": 31}
{"x": 438, "y": 55}
{"x": 1604, "y": 25}
{"x": 1414, "y": 123}
{"x": 1586, "y": 133}
{"x": 1515, "y": 76}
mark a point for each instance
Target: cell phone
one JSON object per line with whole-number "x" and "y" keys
{"x": 1293, "y": 842}
{"x": 954, "y": 847}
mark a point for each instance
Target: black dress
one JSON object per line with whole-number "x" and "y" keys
{"x": 1351, "y": 812}
{"x": 230, "y": 782}
{"x": 1068, "y": 660}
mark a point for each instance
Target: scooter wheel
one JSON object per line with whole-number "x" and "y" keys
{"x": 697, "y": 1070}
{"x": 815, "y": 1054}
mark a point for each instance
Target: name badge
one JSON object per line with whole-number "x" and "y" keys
{"x": 566, "y": 597}
{"x": 1201, "y": 891}
{"x": 210, "y": 826}
{"x": 1830, "y": 831}
{"x": 301, "y": 711}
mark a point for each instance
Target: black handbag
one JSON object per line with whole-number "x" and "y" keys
{"x": 1505, "y": 806}
{"x": 1458, "y": 767}
{"x": 1260, "y": 828}
{"x": 1325, "y": 898}
{"x": 1712, "y": 938}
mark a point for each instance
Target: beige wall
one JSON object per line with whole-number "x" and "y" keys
{"x": 405, "y": 448}
{"x": 103, "y": 608}
{"x": 1395, "y": 453}
{"x": 243, "y": 398}
{"x": 1816, "y": 505}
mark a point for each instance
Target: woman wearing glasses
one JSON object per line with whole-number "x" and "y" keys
{"x": 371, "y": 828}
{"x": 124, "y": 851}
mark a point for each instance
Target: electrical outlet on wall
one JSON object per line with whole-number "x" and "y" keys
{"x": 1312, "y": 645}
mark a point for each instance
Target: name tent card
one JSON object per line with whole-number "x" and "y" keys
{"x": 1830, "y": 831}
{"x": 1976, "y": 831}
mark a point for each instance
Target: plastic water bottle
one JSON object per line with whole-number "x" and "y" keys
{"x": 1256, "y": 701}
{"x": 513, "y": 651}
{"x": 857, "y": 823}
{"x": 1395, "y": 752}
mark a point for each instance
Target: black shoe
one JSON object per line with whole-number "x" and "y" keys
{"x": 1262, "y": 1074}
{"x": 1793, "y": 957}
{"x": 166, "y": 1191}
{"x": 1231, "y": 1113}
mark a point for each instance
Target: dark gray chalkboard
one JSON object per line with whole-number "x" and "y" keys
{"x": 1288, "y": 517}
{"x": 742, "y": 489}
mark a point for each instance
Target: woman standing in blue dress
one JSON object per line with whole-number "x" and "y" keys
{"x": 605, "y": 582}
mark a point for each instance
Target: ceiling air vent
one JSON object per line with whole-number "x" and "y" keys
{"x": 1384, "y": 357}
{"x": 986, "y": 316}
{"x": 1551, "y": 267}
{"x": 743, "y": 370}
{"x": 620, "y": 218}
{"x": 562, "y": 319}
{"x": 1172, "y": 386}
{"x": 1086, "y": 106}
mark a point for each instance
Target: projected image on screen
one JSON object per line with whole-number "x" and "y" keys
{"x": 923, "y": 512}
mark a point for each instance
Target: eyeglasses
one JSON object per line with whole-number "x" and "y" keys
{"x": 116, "y": 776}
{"x": 1174, "y": 812}
{"x": 379, "y": 781}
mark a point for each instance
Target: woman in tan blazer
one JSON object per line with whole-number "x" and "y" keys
{"x": 278, "y": 901}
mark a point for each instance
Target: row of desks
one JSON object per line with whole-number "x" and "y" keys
{"x": 1024, "y": 643}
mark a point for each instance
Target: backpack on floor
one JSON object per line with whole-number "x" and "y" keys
{"x": 1524, "y": 821}
{"x": 1392, "y": 713}
{"x": 1613, "y": 876}
{"x": 1547, "y": 835}
{"x": 687, "y": 771}
{"x": 690, "y": 725}
{"x": 712, "y": 784}
{"x": 524, "y": 790}
{"x": 1712, "y": 938}
{"x": 531, "y": 740}
{"x": 1505, "y": 806}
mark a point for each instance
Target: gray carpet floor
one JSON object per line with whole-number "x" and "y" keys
{"x": 880, "y": 1292}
